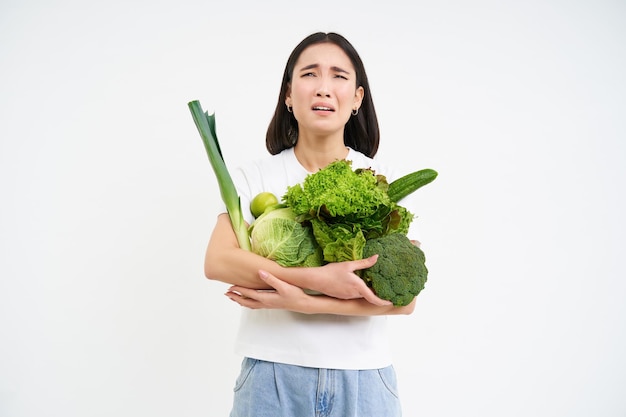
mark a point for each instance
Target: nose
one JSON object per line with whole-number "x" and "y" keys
{"x": 322, "y": 88}
{"x": 323, "y": 93}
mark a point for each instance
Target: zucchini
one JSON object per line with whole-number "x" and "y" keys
{"x": 407, "y": 184}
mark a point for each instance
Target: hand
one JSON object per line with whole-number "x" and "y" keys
{"x": 337, "y": 279}
{"x": 284, "y": 296}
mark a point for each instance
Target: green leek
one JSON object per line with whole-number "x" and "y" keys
{"x": 206, "y": 126}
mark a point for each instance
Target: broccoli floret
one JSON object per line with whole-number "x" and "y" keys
{"x": 400, "y": 272}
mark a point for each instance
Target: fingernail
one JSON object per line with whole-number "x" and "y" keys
{"x": 263, "y": 274}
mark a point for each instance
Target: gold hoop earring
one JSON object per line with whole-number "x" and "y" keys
{"x": 355, "y": 112}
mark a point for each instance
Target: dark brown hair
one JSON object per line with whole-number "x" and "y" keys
{"x": 361, "y": 131}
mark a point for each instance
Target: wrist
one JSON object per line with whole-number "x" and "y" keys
{"x": 302, "y": 277}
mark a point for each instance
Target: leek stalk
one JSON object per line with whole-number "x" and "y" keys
{"x": 205, "y": 123}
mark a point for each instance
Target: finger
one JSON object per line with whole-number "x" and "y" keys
{"x": 271, "y": 280}
{"x": 366, "y": 263}
{"x": 243, "y": 301}
{"x": 268, "y": 278}
{"x": 370, "y": 296}
{"x": 243, "y": 292}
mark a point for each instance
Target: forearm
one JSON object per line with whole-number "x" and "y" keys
{"x": 237, "y": 267}
{"x": 356, "y": 307}
{"x": 226, "y": 262}
{"x": 289, "y": 297}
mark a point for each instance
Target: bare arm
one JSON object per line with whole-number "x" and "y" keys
{"x": 226, "y": 262}
{"x": 289, "y": 297}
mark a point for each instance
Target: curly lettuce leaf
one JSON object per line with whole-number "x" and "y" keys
{"x": 338, "y": 191}
{"x": 346, "y": 207}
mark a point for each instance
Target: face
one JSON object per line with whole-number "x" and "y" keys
{"x": 323, "y": 90}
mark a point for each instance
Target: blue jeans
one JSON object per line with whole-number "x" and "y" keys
{"x": 269, "y": 389}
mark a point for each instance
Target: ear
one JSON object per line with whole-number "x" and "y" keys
{"x": 358, "y": 97}
{"x": 288, "y": 96}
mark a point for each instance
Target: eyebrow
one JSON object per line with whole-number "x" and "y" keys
{"x": 334, "y": 68}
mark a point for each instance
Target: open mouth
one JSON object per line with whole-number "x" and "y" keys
{"x": 323, "y": 108}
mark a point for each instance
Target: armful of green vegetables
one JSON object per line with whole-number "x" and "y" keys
{"x": 351, "y": 214}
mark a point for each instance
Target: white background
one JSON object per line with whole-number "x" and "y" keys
{"x": 108, "y": 199}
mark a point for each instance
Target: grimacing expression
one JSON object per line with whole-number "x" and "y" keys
{"x": 323, "y": 91}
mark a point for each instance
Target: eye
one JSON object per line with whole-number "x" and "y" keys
{"x": 341, "y": 76}
{"x": 308, "y": 74}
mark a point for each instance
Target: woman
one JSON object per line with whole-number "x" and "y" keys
{"x": 309, "y": 355}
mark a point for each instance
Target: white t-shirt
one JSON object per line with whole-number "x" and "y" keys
{"x": 317, "y": 340}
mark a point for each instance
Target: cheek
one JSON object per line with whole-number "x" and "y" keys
{"x": 299, "y": 90}
{"x": 347, "y": 94}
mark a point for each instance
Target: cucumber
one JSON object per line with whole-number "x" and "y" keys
{"x": 407, "y": 184}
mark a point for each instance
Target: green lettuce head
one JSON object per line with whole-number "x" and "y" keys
{"x": 278, "y": 236}
{"x": 345, "y": 208}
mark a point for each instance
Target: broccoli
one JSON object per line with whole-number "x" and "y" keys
{"x": 400, "y": 272}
